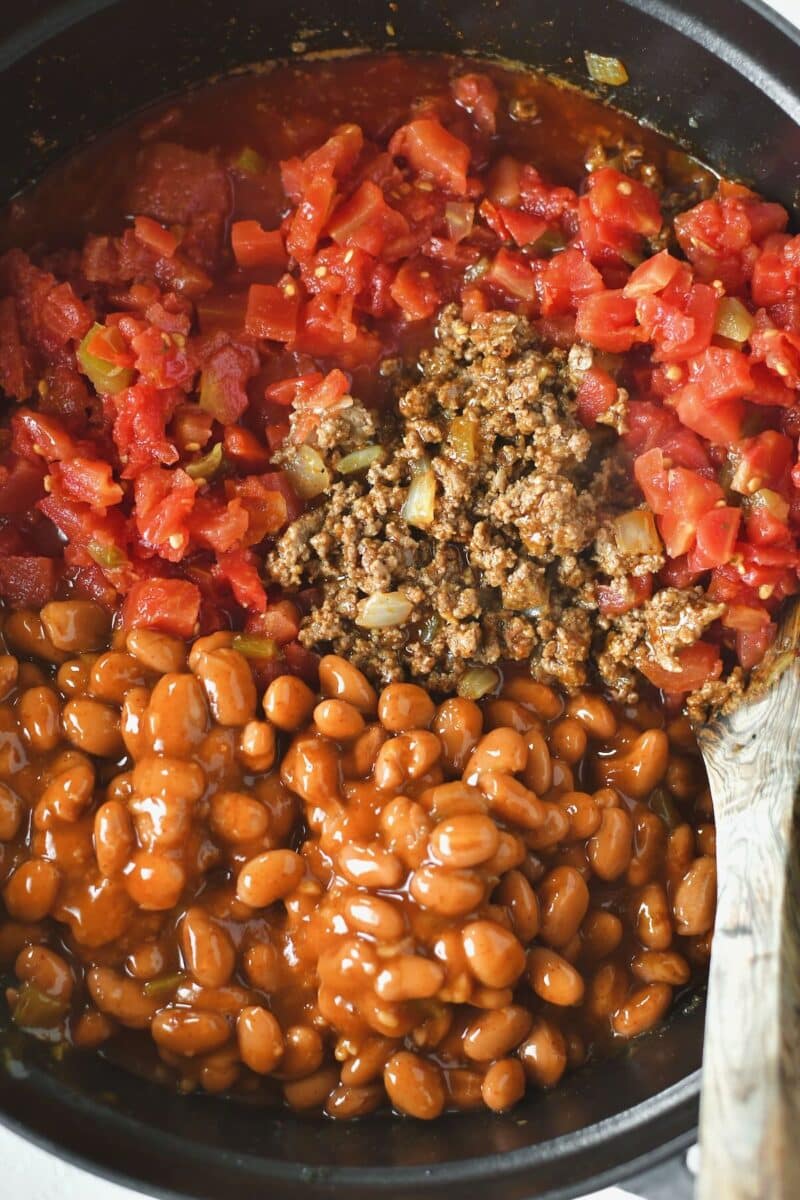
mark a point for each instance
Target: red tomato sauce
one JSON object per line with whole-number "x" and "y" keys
{"x": 261, "y": 246}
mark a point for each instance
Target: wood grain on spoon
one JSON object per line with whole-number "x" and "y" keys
{"x": 750, "y": 1107}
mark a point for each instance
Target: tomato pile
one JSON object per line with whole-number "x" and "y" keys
{"x": 155, "y": 371}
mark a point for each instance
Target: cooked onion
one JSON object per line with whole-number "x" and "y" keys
{"x": 734, "y": 321}
{"x": 308, "y": 473}
{"x": 464, "y": 438}
{"x": 635, "y": 532}
{"x": 419, "y": 507}
{"x": 383, "y": 610}
{"x": 478, "y": 682}
{"x": 773, "y": 502}
{"x": 459, "y": 216}
{"x": 359, "y": 460}
{"x": 603, "y": 69}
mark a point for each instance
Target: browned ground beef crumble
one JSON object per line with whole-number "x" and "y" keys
{"x": 521, "y": 529}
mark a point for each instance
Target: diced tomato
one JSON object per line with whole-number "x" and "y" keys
{"x": 478, "y": 95}
{"x": 613, "y": 602}
{"x": 21, "y": 484}
{"x": 722, "y": 374}
{"x": 325, "y": 393}
{"x": 689, "y": 497}
{"x": 607, "y": 320}
{"x": 254, "y": 246}
{"x": 164, "y": 360}
{"x": 311, "y": 216}
{"x": 778, "y": 349}
{"x": 596, "y": 393}
{"x": 720, "y": 422}
{"x": 512, "y": 273}
{"x": 566, "y": 280}
{"x": 717, "y": 531}
{"x": 434, "y": 153}
{"x": 761, "y": 461}
{"x": 678, "y": 332}
{"x": 677, "y": 572}
{"x": 623, "y": 202}
{"x": 503, "y": 183}
{"x": 89, "y": 480}
{"x": 238, "y": 567}
{"x": 652, "y": 275}
{"x": 163, "y": 503}
{"x": 473, "y": 303}
{"x": 524, "y": 228}
{"x": 168, "y": 605}
{"x": 698, "y": 664}
{"x": 38, "y": 436}
{"x": 302, "y": 662}
{"x": 153, "y": 234}
{"x": 243, "y": 447}
{"x": 651, "y": 425}
{"x": 280, "y": 622}
{"x": 768, "y": 390}
{"x": 272, "y": 312}
{"x": 142, "y": 414}
{"x": 288, "y": 391}
{"x": 752, "y": 644}
{"x": 16, "y": 370}
{"x": 338, "y": 155}
{"x": 366, "y": 221}
{"x": 219, "y": 526}
{"x": 27, "y": 581}
{"x": 650, "y": 472}
{"x": 414, "y": 291}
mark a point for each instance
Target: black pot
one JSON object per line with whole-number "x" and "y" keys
{"x": 719, "y": 75}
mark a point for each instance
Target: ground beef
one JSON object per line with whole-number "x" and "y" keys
{"x": 522, "y": 527}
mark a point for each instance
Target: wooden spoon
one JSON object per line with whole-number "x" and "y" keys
{"x": 750, "y": 1106}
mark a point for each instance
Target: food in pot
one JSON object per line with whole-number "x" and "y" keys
{"x": 395, "y": 451}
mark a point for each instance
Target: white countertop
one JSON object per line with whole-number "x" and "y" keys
{"x": 29, "y": 1173}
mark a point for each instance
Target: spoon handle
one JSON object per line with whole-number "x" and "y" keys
{"x": 750, "y": 1106}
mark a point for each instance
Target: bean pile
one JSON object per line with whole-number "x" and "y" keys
{"x": 342, "y": 899}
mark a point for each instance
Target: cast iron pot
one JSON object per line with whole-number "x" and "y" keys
{"x": 721, "y": 76}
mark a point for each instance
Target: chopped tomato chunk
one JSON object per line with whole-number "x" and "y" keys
{"x": 168, "y": 605}
{"x": 434, "y": 153}
{"x": 698, "y": 664}
{"x": 254, "y": 246}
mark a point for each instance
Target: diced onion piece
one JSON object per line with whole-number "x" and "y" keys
{"x": 478, "y": 682}
{"x": 383, "y": 610}
{"x": 420, "y": 503}
{"x": 252, "y": 645}
{"x": 635, "y": 532}
{"x": 773, "y": 502}
{"x": 464, "y": 438}
{"x": 459, "y": 216}
{"x": 734, "y": 321}
{"x": 603, "y": 69}
{"x": 308, "y": 473}
{"x": 359, "y": 460}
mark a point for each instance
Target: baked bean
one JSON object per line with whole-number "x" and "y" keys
{"x": 606, "y": 991}
{"x": 112, "y": 676}
{"x": 511, "y": 801}
{"x": 122, "y": 998}
{"x": 154, "y": 881}
{"x": 188, "y": 1032}
{"x": 344, "y": 1102}
{"x": 39, "y": 714}
{"x": 496, "y": 1033}
{"x": 91, "y": 1029}
{"x": 218, "y": 1071}
{"x": 288, "y": 703}
{"x": 10, "y": 813}
{"x": 338, "y": 720}
{"x": 404, "y": 706}
{"x": 312, "y": 1090}
{"x": 495, "y": 956}
{"x": 262, "y": 966}
{"x": 448, "y": 893}
{"x": 680, "y": 852}
{"x": 538, "y": 772}
{"x": 553, "y": 978}
{"x": 375, "y": 916}
{"x": 464, "y": 1089}
{"x": 508, "y": 713}
{"x": 543, "y": 1054}
{"x": 72, "y": 678}
{"x": 409, "y": 977}
{"x": 340, "y": 680}
{"x": 113, "y": 837}
{"x": 269, "y": 877}
{"x": 228, "y": 684}
{"x": 465, "y": 841}
{"x": 133, "y": 725}
{"x": 177, "y": 716}
{"x": 698, "y": 949}
{"x": 25, "y": 633}
{"x": 207, "y": 949}
{"x": 9, "y": 674}
{"x": 406, "y": 828}
{"x": 76, "y": 625}
{"x": 260, "y": 1040}
{"x": 156, "y": 651}
{"x": 643, "y": 1009}
{"x": 610, "y": 849}
{"x": 594, "y": 714}
{"x": 607, "y": 798}
{"x": 369, "y": 864}
{"x": 359, "y": 758}
{"x": 414, "y": 1085}
{"x": 641, "y": 766}
{"x": 503, "y": 1084}
{"x": 511, "y": 852}
{"x": 458, "y": 724}
{"x": 694, "y": 898}
{"x": 404, "y": 757}
{"x": 31, "y": 890}
{"x": 257, "y": 746}
{"x": 568, "y": 740}
{"x": 454, "y": 799}
{"x": 500, "y": 750}
{"x": 649, "y": 847}
{"x": 311, "y": 769}
{"x": 563, "y": 901}
{"x": 684, "y": 777}
{"x": 706, "y": 840}
{"x": 516, "y": 894}
{"x": 46, "y": 970}
{"x": 70, "y": 793}
{"x": 601, "y": 934}
{"x": 167, "y": 777}
{"x": 93, "y": 727}
{"x": 652, "y": 917}
{"x": 661, "y": 966}
{"x": 552, "y": 830}
{"x": 542, "y": 699}
{"x": 237, "y": 817}
{"x": 147, "y": 961}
